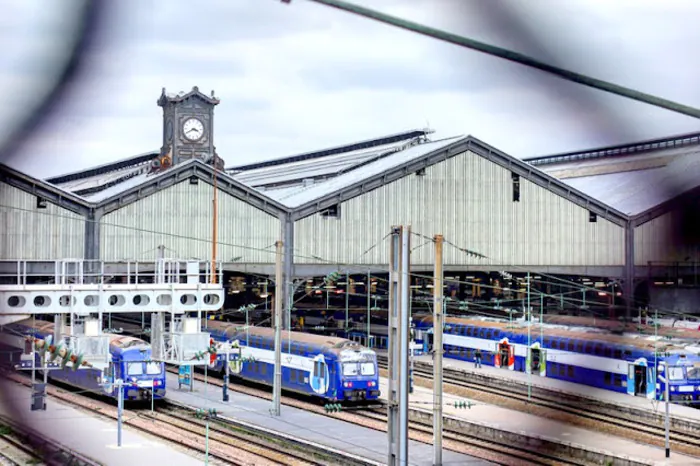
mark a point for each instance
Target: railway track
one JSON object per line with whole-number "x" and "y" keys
{"x": 13, "y": 451}
{"x": 376, "y": 418}
{"x": 230, "y": 442}
{"x": 566, "y": 408}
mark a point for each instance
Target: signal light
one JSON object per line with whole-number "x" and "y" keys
{"x": 333, "y": 407}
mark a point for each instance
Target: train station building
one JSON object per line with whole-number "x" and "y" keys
{"x": 619, "y": 219}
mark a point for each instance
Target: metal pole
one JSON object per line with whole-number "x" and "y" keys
{"x": 437, "y": 353}
{"x": 404, "y": 350}
{"x": 120, "y": 408}
{"x": 393, "y": 346}
{"x": 206, "y": 443}
{"x": 225, "y": 385}
{"x": 668, "y": 441}
{"x": 369, "y": 307}
{"x": 529, "y": 373}
{"x": 347, "y": 301}
{"x": 279, "y": 289}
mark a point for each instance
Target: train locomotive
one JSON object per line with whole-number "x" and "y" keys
{"x": 328, "y": 368}
{"x": 621, "y": 363}
{"x": 130, "y": 361}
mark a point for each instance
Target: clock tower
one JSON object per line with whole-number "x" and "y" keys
{"x": 188, "y": 127}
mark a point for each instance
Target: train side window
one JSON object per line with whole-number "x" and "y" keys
{"x": 547, "y": 341}
{"x": 628, "y": 353}
{"x": 554, "y": 344}
{"x": 608, "y": 379}
{"x": 607, "y": 352}
{"x": 293, "y": 376}
{"x": 618, "y": 380}
{"x": 470, "y": 331}
{"x": 570, "y": 347}
{"x": 488, "y": 334}
{"x": 617, "y": 354}
{"x": 579, "y": 347}
{"x": 598, "y": 350}
{"x": 562, "y": 369}
{"x": 263, "y": 368}
{"x": 570, "y": 370}
{"x": 589, "y": 348}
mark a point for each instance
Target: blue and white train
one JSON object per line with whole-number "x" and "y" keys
{"x": 619, "y": 363}
{"x": 130, "y": 361}
{"x": 330, "y": 368}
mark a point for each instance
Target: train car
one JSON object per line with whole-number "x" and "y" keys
{"x": 130, "y": 361}
{"x": 329, "y": 368}
{"x": 602, "y": 360}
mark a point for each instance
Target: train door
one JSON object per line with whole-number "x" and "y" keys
{"x": 637, "y": 379}
{"x": 428, "y": 342}
{"x": 319, "y": 375}
{"x": 505, "y": 356}
{"x": 536, "y": 362}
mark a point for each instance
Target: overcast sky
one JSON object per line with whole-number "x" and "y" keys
{"x": 303, "y": 76}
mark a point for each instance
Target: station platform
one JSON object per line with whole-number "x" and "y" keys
{"x": 487, "y": 415}
{"x": 87, "y": 433}
{"x": 620, "y": 399}
{"x": 335, "y": 433}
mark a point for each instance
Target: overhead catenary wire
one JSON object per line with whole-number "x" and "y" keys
{"x": 513, "y": 57}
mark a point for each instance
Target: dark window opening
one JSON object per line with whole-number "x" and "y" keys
{"x": 592, "y": 217}
{"x": 333, "y": 211}
{"x": 608, "y": 378}
{"x": 516, "y": 187}
{"x": 41, "y": 203}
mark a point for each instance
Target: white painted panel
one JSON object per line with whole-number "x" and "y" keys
{"x": 615, "y": 366}
{"x": 470, "y": 201}
{"x": 30, "y": 233}
{"x": 180, "y": 217}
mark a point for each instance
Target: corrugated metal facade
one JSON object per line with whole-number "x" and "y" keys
{"x": 30, "y": 233}
{"x": 180, "y": 217}
{"x": 662, "y": 239}
{"x": 470, "y": 201}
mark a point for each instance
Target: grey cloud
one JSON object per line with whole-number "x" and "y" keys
{"x": 434, "y": 73}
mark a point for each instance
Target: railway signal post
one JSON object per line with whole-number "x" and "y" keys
{"x": 437, "y": 353}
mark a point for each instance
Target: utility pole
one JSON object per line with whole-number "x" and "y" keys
{"x": 664, "y": 378}
{"x": 529, "y": 344}
{"x": 398, "y": 346}
{"x": 437, "y": 353}
{"x": 224, "y": 395}
{"x": 279, "y": 289}
{"x": 120, "y": 410}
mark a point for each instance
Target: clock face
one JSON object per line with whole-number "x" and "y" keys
{"x": 193, "y": 129}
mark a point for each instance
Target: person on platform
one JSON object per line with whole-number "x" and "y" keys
{"x": 477, "y": 358}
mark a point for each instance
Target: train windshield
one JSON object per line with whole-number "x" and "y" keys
{"x": 694, "y": 373}
{"x": 153, "y": 368}
{"x": 675, "y": 373}
{"x": 354, "y": 368}
{"x": 134, "y": 368}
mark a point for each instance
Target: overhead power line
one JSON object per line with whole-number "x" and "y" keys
{"x": 511, "y": 56}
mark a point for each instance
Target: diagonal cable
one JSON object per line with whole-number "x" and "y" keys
{"x": 512, "y": 56}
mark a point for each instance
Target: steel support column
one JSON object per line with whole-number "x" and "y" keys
{"x": 288, "y": 273}
{"x": 629, "y": 270}
{"x": 92, "y": 244}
